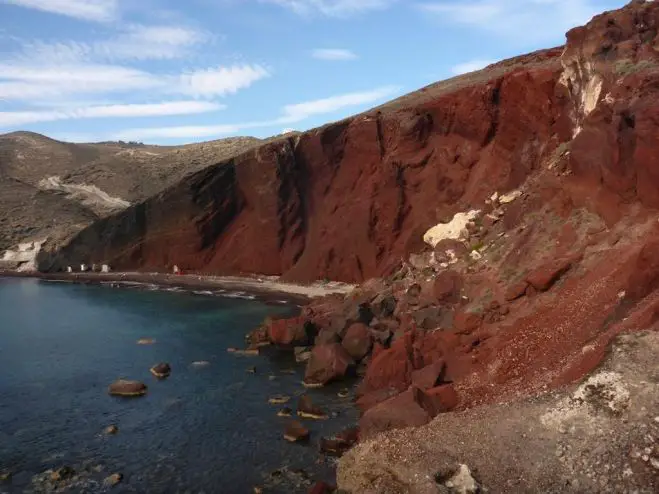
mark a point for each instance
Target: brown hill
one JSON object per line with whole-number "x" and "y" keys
{"x": 54, "y": 189}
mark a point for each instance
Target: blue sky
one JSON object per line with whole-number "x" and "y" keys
{"x": 174, "y": 71}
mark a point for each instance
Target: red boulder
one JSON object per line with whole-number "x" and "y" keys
{"x": 544, "y": 277}
{"x": 389, "y": 369}
{"x": 396, "y": 413}
{"x": 296, "y": 331}
{"x": 516, "y": 290}
{"x": 430, "y": 376}
{"x": 358, "y": 341}
{"x": 327, "y": 363}
{"x": 437, "y": 400}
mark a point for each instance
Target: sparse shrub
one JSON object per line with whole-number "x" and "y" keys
{"x": 627, "y": 67}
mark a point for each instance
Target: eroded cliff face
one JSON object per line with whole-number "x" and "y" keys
{"x": 346, "y": 201}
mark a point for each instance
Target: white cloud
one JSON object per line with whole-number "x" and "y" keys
{"x": 18, "y": 118}
{"x": 529, "y": 21}
{"x": 333, "y": 54}
{"x": 291, "y": 114}
{"x": 90, "y": 10}
{"x": 133, "y": 42}
{"x": 301, "y": 111}
{"x": 36, "y": 82}
{"x": 470, "y": 66}
{"x": 331, "y": 8}
{"x": 219, "y": 81}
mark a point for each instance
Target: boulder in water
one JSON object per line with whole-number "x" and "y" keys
{"x": 113, "y": 480}
{"x": 279, "y": 400}
{"x": 306, "y": 409}
{"x": 123, "y": 387}
{"x": 111, "y": 430}
{"x": 161, "y": 370}
{"x": 296, "y": 432}
{"x": 285, "y": 412}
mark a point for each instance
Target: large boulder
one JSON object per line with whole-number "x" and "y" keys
{"x": 297, "y": 331}
{"x": 439, "y": 399}
{"x": 398, "y": 412}
{"x": 429, "y": 376}
{"x": 389, "y": 369}
{"x": 358, "y": 341}
{"x": 327, "y": 363}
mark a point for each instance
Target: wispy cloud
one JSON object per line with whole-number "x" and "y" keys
{"x": 535, "y": 21}
{"x": 35, "y": 82}
{"x": 333, "y": 54}
{"x": 132, "y": 42}
{"x": 470, "y": 66}
{"x": 18, "y": 118}
{"x": 219, "y": 81}
{"x": 89, "y": 10}
{"x": 331, "y": 8}
{"x": 301, "y": 111}
{"x": 293, "y": 113}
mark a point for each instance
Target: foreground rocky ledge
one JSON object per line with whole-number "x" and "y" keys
{"x": 599, "y": 436}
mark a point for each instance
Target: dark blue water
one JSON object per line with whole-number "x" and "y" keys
{"x": 205, "y": 429}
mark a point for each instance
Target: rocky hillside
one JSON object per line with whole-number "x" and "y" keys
{"x": 54, "y": 189}
{"x": 505, "y": 227}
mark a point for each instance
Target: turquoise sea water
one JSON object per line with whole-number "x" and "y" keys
{"x": 205, "y": 429}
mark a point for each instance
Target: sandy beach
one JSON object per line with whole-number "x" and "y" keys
{"x": 259, "y": 285}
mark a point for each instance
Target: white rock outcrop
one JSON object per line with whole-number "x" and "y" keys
{"x": 453, "y": 230}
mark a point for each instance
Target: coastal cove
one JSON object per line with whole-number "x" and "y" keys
{"x": 207, "y": 428}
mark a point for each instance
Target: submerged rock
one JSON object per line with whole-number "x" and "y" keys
{"x": 62, "y": 473}
{"x": 296, "y": 432}
{"x": 146, "y": 341}
{"x": 111, "y": 430}
{"x": 5, "y": 476}
{"x": 113, "y": 480}
{"x": 161, "y": 370}
{"x": 306, "y": 409}
{"x": 124, "y": 387}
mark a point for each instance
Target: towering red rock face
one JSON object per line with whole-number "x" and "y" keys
{"x": 348, "y": 200}
{"x": 344, "y": 201}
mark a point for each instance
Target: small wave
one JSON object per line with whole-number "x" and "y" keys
{"x": 241, "y": 295}
{"x": 202, "y": 292}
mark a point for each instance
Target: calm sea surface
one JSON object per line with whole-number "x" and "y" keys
{"x": 205, "y": 429}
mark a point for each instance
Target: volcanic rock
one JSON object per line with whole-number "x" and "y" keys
{"x": 327, "y": 363}
{"x": 161, "y": 371}
{"x": 127, "y": 388}
{"x": 296, "y": 432}
{"x": 113, "y": 480}
{"x": 357, "y": 341}
{"x": 306, "y": 409}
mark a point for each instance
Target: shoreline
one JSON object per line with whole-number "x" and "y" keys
{"x": 263, "y": 286}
